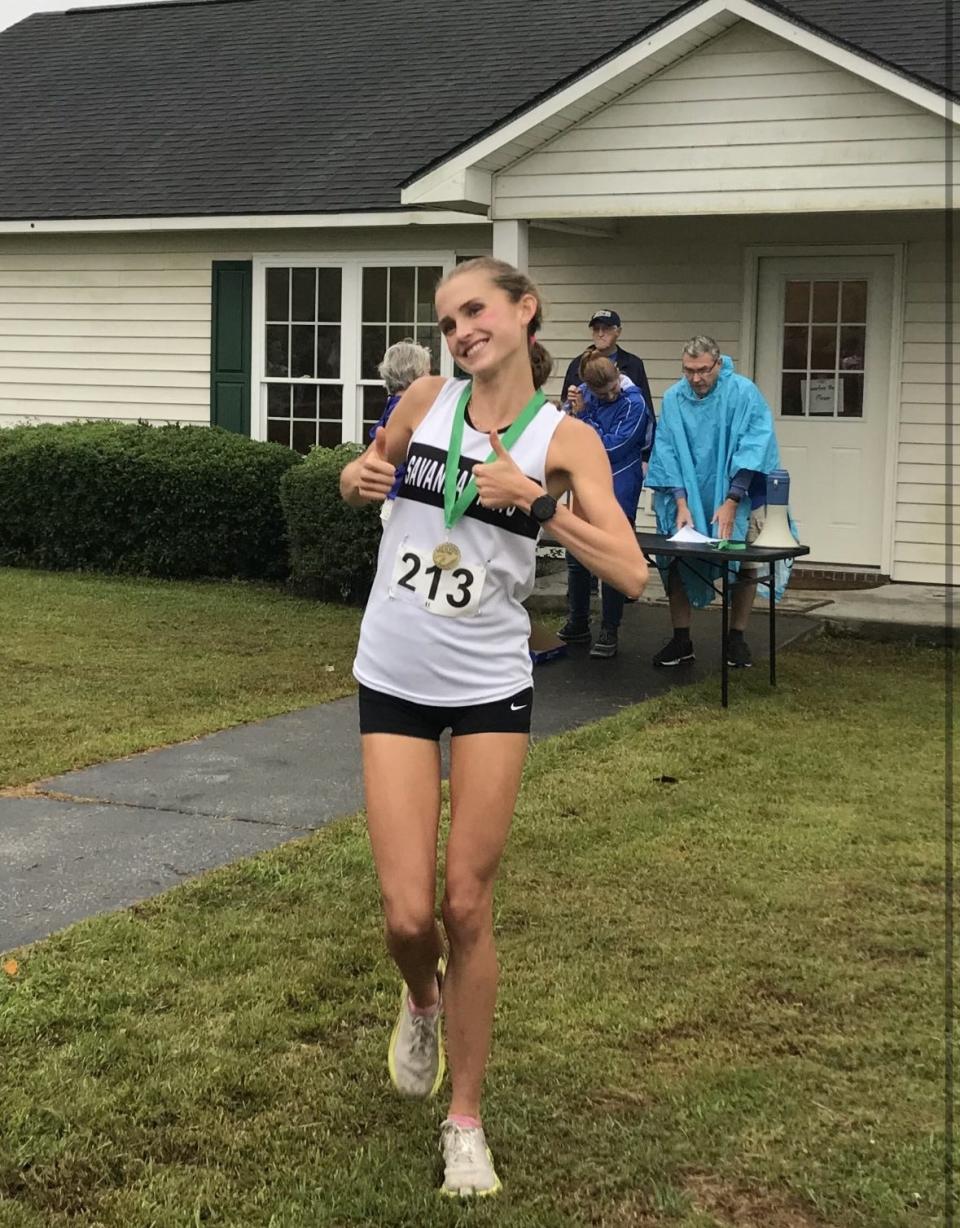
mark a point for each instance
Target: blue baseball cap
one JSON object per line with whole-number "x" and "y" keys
{"x": 605, "y": 316}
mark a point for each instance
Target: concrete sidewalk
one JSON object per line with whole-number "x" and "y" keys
{"x": 108, "y": 836}
{"x": 915, "y": 613}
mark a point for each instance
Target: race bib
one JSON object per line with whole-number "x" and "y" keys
{"x": 454, "y": 593}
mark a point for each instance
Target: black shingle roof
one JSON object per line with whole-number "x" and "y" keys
{"x": 287, "y": 106}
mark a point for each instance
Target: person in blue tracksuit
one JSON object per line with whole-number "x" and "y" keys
{"x": 605, "y": 328}
{"x": 616, "y": 409}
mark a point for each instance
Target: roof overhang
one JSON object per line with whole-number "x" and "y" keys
{"x": 249, "y": 221}
{"x": 464, "y": 181}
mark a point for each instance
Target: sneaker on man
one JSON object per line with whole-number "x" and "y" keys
{"x": 674, "y": 653}
{"x": 739, "y": 655}
{"x": 468, "y": 1170}
{"x": 605, "y": 645}
{"x": 575, "y": 633}
{"x": 415, "y": 1057}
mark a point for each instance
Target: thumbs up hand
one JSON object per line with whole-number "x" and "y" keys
{"x": 377, "y": 475}
{"x": 501, "y": 482}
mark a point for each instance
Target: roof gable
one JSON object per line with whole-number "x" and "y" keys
{"x": 229, "y": 107}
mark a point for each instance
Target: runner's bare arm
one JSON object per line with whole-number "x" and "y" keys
{"x": 599, "y": 534}
{"x": 370, "y": 477}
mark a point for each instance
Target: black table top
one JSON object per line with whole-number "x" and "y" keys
{"x": 657, "y": 543}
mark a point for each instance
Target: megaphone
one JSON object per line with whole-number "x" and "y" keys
{"x": 776, "y": 530}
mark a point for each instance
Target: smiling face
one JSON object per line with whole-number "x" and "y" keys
{"x": 484, "y": 328}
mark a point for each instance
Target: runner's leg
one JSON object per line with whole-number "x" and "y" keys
{"x": 485, "y": 771}
{"x": 402, "y": 785}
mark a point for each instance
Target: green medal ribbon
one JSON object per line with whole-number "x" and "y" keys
{"x": 453, "y": 508}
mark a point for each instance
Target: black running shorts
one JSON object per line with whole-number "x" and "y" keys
{"x": 380, "y": 713}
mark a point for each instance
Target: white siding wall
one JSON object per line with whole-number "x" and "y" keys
{"x": 671, "y": 278}
{"x": 747, "y": 124}
{"x": 926, "y": 476}
{"x": 119, "y": 326}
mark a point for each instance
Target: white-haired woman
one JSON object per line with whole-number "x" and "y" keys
{"x": 403, "y": 362}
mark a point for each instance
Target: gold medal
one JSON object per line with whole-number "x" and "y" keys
{"x": 446, "y": 555}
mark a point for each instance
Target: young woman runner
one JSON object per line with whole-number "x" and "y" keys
{"x": 443, "y": 644}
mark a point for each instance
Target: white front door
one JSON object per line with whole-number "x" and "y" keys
{"x": 823, "y": 362}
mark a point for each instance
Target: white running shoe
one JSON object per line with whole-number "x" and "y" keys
{"x": 467, "y": 1162}
{"x": 415, "y": 1057}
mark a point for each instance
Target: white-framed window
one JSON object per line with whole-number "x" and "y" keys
{"x": 320, "y": 329}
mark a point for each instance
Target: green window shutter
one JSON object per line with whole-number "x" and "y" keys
{"x": 231, "y": 342}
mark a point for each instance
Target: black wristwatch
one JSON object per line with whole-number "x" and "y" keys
{"x": 543, "y": 508}
{"x": 734, "y": 496}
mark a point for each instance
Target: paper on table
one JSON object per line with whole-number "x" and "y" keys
{"x": 692, "y": 537}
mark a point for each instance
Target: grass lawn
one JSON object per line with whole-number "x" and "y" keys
{"x": 722, "y": 998}
{"x": 99, "y": 667}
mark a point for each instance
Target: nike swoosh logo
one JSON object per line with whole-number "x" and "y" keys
{"x": 517, "y": 707}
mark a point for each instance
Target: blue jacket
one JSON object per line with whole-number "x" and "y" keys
{"x": 626, "y": 426}
{"x": 703, "y": 443}
{"x": 626, "y": 363}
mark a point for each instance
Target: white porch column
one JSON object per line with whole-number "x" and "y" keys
{"x": 510, "y": 243}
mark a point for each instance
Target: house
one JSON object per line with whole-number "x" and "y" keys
{"x": 224, "y": 210}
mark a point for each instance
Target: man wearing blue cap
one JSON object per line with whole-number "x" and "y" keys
{"x": 605, "y": 328}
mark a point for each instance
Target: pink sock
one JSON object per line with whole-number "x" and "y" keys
{"x": 463, "y": 1121}
{"x": 423, "y": 1010}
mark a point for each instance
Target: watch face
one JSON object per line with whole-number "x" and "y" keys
{"x": 543, "y": 507}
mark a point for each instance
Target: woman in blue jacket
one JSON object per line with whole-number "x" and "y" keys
{"x": 614, "y": 406}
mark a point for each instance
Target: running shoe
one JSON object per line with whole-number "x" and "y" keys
{"x": 575, "y": 633}
{"x": 605, "y": 645}
{"x": 468, "y": 1170}
{"x": 739, "y": 655}
{"x": 415, "y": 1058}
{"x": 674, "y": 653}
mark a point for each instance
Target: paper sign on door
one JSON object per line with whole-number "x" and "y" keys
{"x": 823, "y": 396}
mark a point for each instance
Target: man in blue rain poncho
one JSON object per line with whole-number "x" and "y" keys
{"x": 715, "y": 445}
{"x": 614, "y": 406}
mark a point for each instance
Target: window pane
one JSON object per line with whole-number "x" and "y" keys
{"x": 796, "y": 305}
{"x": 854, "y": 302}
{"x": 823, "y": 346}
{"x": 399, "y": 332}
{"x": 279, "y": 432}
{"x": 791, "y": 400}
{"x": 373, "y": 342}
{"x": 374, "y": 402}
{"x": 826, "y": 296}
{"x": 328, "y": 351}
{"x": 331, "y": 401}
{"x": 821, "y": 394}
{"x": 402, "y": 295}
{"x": 853, "y": 341}
{"x": 851, "y": 405}
{"x": 278, "y": 400}
{"x": 331, "y": 434}
{"x": 305, "y": 401}
{"x": 302, "y": 341}
{"x": 304, "y": 306}
{"x": 795, "y": 347}
{"x": 427, "y": 278}
{"x": 430, "y": 337}
{"x": 328, "y": 295}
{"x": 304, "y": 436}
{"x": 375, "y": 295}
{"x": 278, "y": 355}
{"x": 278, "y": 294}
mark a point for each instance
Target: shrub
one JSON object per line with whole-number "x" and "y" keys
{"x": 165, "y": 501}
{"x": 333, "y": 547}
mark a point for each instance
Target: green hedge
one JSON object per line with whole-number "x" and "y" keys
{"x": 165, "y": 501}
{"x": 333, "y": 547}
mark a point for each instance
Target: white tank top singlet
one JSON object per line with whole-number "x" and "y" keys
{"x": 476, "y": 650}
